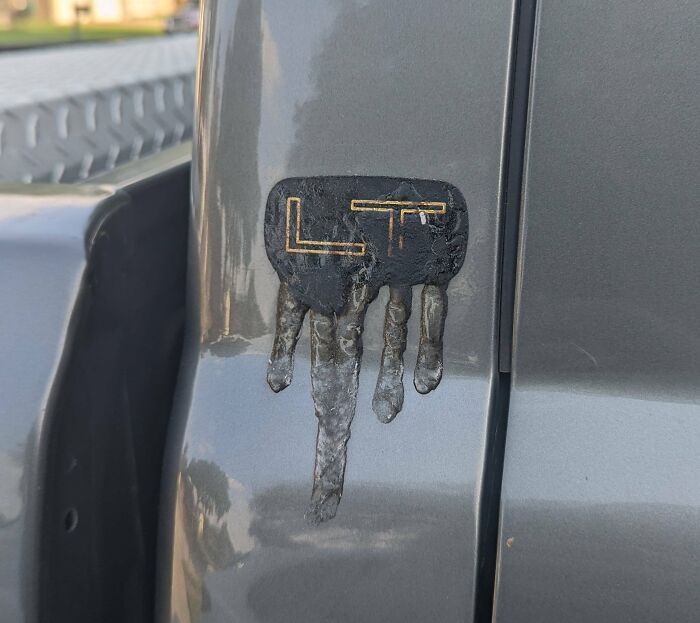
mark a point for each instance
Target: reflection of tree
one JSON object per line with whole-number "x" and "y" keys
{"x": 211, "y": 486}
{"x": 227, "y": 169}
{"x": 202, "y": 540}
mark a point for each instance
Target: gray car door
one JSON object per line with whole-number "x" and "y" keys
{"x": 601, "y": 490}
{"x": 327, "y": 132}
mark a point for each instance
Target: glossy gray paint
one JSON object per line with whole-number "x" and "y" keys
{"x": 332, "y": 88}
{"x": 601, "y": 495}
{"x": 46, "y": 236}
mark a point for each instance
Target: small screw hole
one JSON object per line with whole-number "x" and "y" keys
{"x": 70, "y": 520}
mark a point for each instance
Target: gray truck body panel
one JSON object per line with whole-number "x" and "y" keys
{"x": 583, "y": 390}
{"x": 82, "y": 386}
{"x": 42, "y": 250}
{"x": 601, "y": 490}
{"x": 291, "y": 89}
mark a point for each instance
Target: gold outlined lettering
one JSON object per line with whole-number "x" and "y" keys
{"x": 331, "y": 247}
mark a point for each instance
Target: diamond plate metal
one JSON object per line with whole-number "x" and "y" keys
{"x": 71, "y": 113}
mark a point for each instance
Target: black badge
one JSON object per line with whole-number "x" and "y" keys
{"x": 321, "y": 232}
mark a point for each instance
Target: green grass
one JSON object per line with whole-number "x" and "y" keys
{"x": 37, "y": 33}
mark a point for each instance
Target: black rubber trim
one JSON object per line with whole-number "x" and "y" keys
{"x": 487, "y": 547}
{"x": 514, "y": 153}
{"x": 110, "y": 409}
{"x": 513, "y": 178}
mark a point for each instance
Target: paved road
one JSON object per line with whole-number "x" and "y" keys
{"x": 68, "y": 113}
